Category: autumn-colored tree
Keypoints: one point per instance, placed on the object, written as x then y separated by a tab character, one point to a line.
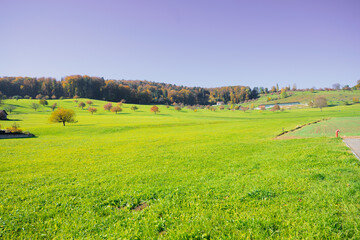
237	107
221	107
320	102
116	109
62	115
154	109
355	100
75	101
15	128
89	102
276	107
177	108
134	108
35	106
244	108
92	110
39	96
43	102
82	105
108	106
262	107
53	106
53	97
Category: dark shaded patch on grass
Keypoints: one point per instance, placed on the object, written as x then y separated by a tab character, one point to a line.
261	194
318	176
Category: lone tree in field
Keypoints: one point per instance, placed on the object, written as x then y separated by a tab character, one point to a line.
35	106
89	103
10	108
92	110
53	106
82	105
244	108
62	115
275	108
320	102
43	102
134	108
177	108
116	109
108	106
154	109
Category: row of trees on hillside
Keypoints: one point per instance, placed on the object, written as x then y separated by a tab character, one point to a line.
142	92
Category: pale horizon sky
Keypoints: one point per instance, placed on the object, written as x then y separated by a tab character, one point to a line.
204	43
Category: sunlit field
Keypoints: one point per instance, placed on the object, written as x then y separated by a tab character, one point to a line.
177	175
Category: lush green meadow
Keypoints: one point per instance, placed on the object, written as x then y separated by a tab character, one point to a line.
334	98
176	175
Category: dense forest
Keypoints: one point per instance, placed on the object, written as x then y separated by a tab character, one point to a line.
132	91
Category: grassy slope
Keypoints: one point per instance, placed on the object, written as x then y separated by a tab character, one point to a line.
333	97
205	174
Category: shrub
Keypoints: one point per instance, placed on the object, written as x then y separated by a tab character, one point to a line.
53	97
14	129
177	108
355	99
221	107
39	96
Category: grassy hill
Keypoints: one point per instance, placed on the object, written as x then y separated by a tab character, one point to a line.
334	98
176	175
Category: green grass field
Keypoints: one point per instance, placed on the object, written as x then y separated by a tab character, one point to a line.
177	175
334	98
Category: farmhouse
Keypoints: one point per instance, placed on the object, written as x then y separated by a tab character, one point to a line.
3	115
220	103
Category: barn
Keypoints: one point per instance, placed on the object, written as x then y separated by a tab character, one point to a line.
3	115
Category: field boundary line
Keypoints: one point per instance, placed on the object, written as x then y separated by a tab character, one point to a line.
301	126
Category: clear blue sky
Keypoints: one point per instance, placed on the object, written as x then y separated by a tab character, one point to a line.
204	43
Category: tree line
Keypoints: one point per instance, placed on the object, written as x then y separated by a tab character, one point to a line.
132	91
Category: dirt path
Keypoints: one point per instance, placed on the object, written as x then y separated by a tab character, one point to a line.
354	145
